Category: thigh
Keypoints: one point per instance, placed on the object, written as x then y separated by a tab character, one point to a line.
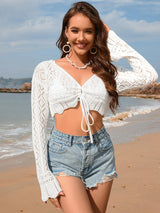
76	197
99	196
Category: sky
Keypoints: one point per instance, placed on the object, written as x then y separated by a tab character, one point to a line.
29	30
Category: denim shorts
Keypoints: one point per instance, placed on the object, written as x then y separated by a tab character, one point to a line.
70	155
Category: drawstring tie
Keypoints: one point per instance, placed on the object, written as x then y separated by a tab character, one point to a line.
86	115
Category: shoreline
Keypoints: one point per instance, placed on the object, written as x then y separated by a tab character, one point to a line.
152	96
128	127
136	189
14	91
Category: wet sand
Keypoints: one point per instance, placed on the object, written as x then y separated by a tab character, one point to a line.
137	189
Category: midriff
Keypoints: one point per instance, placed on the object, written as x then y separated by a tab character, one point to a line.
69	121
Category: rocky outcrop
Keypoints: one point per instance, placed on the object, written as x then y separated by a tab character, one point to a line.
25	88
151	91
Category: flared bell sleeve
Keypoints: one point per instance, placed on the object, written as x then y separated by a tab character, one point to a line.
49	185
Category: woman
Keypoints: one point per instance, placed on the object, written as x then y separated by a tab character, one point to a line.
76	167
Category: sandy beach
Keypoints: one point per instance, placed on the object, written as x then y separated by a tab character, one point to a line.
137	189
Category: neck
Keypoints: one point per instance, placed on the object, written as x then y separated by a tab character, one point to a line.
77	66
79	59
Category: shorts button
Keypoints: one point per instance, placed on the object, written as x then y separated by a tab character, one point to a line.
85	139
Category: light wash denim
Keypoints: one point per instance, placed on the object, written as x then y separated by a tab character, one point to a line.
76	156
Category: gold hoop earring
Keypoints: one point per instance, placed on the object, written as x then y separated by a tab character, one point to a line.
66	48
93	50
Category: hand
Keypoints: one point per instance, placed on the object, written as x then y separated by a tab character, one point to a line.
106	26
55	201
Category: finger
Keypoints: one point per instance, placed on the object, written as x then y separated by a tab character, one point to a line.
55	202
52	200
107	27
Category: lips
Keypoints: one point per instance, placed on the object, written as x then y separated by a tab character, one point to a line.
81	46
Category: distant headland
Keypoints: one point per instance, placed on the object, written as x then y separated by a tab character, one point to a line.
11	85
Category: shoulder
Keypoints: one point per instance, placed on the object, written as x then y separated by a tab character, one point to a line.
43	69
43	65
60	61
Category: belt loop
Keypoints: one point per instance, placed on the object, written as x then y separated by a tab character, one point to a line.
70	140
51	131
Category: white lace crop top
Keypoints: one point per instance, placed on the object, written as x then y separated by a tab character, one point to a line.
56	90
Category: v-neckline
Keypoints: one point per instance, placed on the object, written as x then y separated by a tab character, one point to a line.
74	78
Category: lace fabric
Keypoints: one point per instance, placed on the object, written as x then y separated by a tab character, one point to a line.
40	113
45	79
65	93
142	73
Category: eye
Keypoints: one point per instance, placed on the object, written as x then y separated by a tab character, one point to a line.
74	31
89	31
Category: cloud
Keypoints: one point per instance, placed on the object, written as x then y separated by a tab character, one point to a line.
22	2
96	0
119	3
24	25
144	3
41	31
138	30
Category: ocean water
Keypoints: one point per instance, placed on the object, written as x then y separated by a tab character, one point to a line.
135	117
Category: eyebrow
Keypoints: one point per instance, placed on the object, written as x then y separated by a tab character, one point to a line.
90	28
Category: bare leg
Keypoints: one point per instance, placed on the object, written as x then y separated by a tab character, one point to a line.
76	198
99	196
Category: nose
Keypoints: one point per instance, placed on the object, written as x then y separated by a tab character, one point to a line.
81	36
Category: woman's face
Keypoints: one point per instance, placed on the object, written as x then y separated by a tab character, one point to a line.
80	34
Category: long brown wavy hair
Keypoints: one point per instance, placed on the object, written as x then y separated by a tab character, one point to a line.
101	61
